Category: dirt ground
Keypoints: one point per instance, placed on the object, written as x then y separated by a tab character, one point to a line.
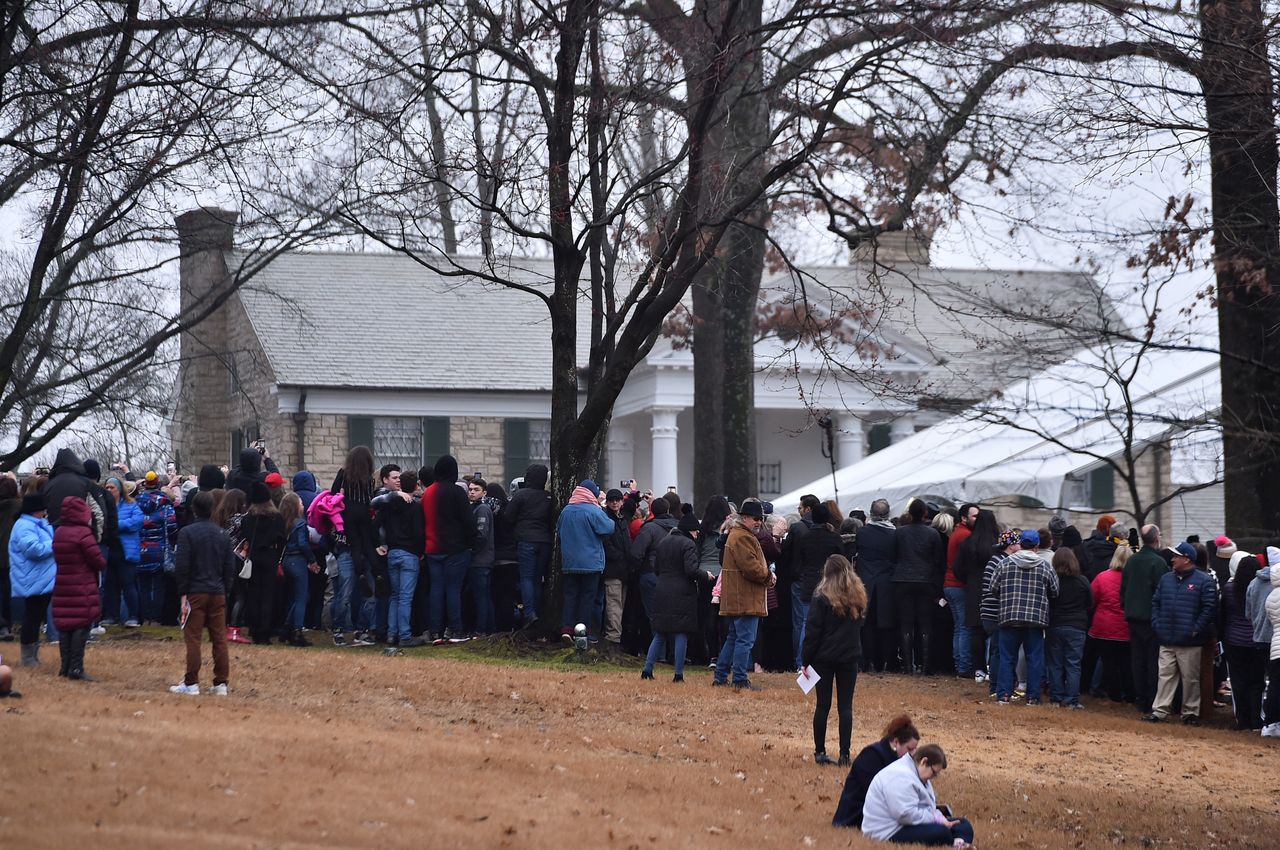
348	748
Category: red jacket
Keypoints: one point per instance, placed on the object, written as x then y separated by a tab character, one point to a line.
1108	614
958	536
76	603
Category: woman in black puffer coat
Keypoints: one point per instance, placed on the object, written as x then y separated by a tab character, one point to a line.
675	599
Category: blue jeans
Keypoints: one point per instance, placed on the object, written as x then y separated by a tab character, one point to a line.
447	572
369	612
1063	650
658	651
482	598
343	583
936	834
531	560
737	649
403	566
580	591
150	595
960	650
799	614
295	570
1030	639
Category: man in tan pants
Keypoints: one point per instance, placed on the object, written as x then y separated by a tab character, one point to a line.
1182	611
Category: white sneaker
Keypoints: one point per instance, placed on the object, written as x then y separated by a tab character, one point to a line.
1271	730
219	690
980	676
98	631
187	690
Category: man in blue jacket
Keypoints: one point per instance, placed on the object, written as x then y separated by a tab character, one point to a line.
1182	610
583	528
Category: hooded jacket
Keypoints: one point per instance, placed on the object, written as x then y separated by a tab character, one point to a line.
253	467
1099	550
450	523
528	514
304	484
66	478
31	565
76	603
1183	607
1022	585
1273	611
1256	597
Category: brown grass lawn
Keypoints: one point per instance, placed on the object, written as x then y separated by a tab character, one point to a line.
347	748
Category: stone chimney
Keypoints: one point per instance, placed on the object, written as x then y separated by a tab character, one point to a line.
200	425
895	248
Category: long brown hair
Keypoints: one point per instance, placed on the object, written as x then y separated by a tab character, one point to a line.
233	502
1065	563
842	588
291	510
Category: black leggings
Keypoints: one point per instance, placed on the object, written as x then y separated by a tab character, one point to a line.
1270	708
844	680
33	615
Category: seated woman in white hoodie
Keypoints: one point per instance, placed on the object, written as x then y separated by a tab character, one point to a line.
901	806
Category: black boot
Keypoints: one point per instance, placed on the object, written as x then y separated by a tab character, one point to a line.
79	639
64	648
31	655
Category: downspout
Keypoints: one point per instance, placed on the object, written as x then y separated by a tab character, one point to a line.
1157	482
300	429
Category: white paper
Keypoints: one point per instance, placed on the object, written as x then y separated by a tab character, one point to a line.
807	679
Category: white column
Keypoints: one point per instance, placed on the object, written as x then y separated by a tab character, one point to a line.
851	441
902	427
665	463
622	453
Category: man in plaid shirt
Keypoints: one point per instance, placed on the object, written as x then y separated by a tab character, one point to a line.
1023	585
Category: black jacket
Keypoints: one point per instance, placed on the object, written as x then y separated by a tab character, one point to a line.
528	514
446	510
816	545
789	560
1073	603
251	469
873	759
830	642
675	599
876	546
919	555
66	478
401	522
1098	549
203	559
644	549
618	563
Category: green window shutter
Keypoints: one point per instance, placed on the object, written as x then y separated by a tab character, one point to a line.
1102	488
435	438
515	435
878	437
237	443
359	431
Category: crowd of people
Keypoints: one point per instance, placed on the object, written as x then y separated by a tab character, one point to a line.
403	558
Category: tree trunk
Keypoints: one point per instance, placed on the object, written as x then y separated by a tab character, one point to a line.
1241	116
725	298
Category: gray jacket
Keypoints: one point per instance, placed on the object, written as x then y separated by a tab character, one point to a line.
1255	605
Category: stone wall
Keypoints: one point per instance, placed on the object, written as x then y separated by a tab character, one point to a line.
478	444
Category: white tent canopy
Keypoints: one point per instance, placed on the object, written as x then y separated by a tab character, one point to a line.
1031	438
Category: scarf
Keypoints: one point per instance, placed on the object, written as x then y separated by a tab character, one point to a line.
583	496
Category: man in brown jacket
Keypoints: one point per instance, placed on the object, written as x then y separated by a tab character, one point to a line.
744	580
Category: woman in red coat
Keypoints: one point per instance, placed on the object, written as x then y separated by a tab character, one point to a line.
76	604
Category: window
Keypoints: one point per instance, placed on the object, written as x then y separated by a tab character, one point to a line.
525	441
1092	490
242	438
409	441
878	437
770	479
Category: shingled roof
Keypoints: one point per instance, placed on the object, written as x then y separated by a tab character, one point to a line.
382	320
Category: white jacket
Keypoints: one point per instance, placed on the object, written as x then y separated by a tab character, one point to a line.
1273	613
897	798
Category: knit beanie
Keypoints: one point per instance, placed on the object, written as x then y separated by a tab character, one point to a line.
1105	522
1226	547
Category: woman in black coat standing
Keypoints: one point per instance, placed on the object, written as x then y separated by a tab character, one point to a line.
832	646
263	529
675	598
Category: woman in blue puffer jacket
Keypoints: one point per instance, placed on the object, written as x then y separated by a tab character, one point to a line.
122	577
32	571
